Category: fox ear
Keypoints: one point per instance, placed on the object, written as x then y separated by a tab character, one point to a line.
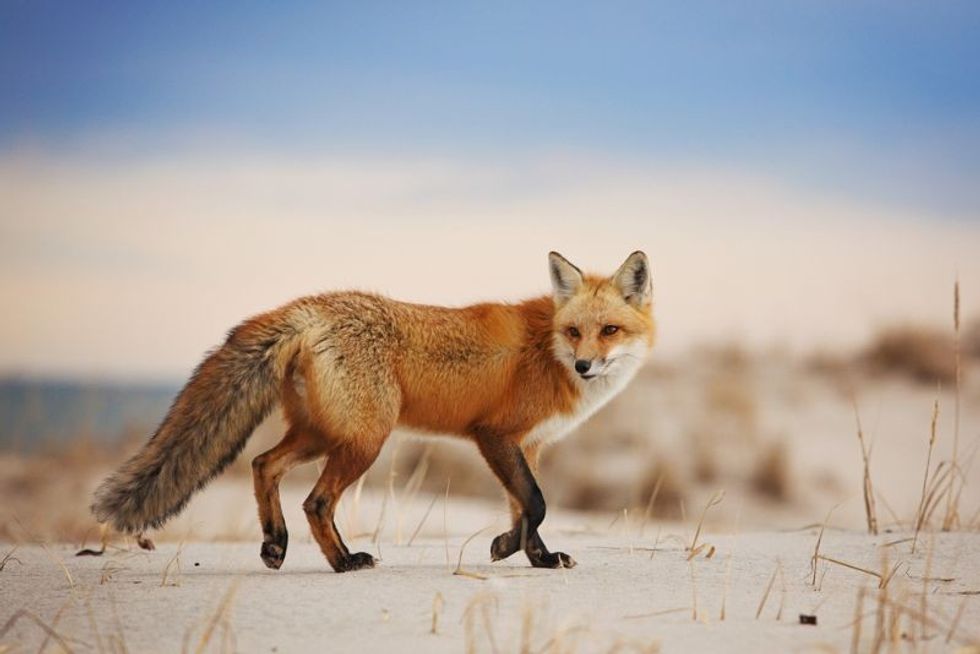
633	279
566	279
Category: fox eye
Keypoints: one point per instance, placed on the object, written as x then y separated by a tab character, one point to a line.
574	332
609	330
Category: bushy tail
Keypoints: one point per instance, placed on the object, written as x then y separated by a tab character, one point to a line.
229	394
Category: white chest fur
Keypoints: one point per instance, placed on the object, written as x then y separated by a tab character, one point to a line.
595	393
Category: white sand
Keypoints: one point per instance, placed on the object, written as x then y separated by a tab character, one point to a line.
307	607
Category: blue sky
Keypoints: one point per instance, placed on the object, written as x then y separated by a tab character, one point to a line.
877	100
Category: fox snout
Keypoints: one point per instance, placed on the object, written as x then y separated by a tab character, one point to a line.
586	367
582	366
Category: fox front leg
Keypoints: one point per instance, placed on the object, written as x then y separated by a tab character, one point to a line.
509	465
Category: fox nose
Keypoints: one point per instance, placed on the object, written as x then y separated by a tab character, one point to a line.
582	366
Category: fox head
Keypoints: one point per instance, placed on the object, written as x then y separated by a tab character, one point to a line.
602	325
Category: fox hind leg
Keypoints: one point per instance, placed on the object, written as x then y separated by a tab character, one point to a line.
345	464
297	446
352	396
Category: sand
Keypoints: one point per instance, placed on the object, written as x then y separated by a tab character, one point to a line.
205	588
635	591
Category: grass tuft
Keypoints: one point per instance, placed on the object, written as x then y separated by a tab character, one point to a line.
714	500
816	548
882	577
952	518
765	594
459	571
438	602
921	514
171	572
422	521
61	564
871	514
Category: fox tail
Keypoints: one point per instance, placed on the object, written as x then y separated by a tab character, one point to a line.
206	428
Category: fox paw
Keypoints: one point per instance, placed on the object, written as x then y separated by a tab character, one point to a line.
504	545
356	561
273	555
553	560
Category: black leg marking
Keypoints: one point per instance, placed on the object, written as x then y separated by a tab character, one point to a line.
539	556
355	561
274	546
508	463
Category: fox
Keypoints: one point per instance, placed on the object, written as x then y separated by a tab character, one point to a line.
348	367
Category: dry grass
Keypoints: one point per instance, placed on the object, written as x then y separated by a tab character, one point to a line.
883	577
947	480
220	616
952	517
664	491
460	571
426	464
954	625
765	594
648	510
727	584
172	571
897	622
694	590
816	548
482	603
438	602
715	500
425	517
923	510
858	621
771	477
924	354
871	515
898	618
44	626
61	564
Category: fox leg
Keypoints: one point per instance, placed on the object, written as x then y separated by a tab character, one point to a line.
352	396
345	464
297	446
509	465
532	454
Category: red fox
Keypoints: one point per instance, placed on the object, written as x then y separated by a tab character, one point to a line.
348	367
